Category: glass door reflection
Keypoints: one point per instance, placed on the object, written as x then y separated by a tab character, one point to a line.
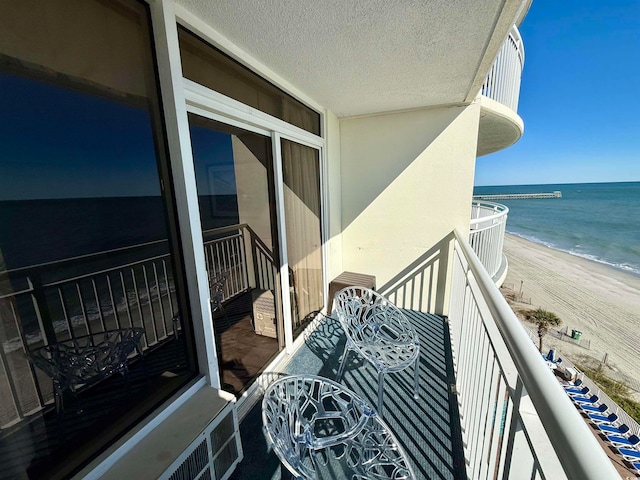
234	176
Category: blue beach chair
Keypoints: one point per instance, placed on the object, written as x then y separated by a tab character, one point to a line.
608	428
616	440
577	391
577	383
629	454
598	418
593	399
586	407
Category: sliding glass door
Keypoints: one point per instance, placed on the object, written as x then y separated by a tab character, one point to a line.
303	218
234	176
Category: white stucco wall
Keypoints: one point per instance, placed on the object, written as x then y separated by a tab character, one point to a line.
333	200
406	182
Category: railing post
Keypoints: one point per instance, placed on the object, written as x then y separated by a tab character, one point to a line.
513	425
41	308
254	257
12	385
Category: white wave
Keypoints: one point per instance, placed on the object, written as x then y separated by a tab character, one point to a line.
625	267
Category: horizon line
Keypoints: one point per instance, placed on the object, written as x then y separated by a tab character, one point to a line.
555	183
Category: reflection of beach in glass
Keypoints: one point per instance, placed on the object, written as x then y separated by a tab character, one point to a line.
234	177
86	231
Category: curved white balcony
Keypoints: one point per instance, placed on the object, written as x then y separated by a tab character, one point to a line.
486	237
503	80
500	124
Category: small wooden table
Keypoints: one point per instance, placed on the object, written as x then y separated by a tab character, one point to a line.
349	279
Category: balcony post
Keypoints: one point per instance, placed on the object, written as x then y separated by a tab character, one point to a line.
515	419
41	308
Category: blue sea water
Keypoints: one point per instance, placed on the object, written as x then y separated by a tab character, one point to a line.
34	232
596	221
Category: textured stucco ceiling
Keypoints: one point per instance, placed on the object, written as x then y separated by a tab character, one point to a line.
368	56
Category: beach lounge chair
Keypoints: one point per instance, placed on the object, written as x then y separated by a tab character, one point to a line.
636	465
632	441
608	429
629	454
593	399
577	391
587	407
577	383
597	417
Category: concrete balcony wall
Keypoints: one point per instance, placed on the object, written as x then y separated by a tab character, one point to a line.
333	201
406	183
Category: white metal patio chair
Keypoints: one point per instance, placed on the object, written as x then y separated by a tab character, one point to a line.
320	429
379	332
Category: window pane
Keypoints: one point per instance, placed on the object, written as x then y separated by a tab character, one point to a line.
234	175
301	171
91	290
207	66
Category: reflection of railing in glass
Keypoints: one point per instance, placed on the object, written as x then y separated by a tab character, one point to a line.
131	287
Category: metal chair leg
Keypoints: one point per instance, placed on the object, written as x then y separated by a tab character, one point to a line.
416	379
380	391
343	362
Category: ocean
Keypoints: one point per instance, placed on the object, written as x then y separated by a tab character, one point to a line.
596	221
33	232
107	234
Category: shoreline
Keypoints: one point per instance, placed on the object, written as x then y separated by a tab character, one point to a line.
599	300
612	266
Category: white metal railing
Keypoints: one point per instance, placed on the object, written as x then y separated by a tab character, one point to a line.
503	80
486	235
517	421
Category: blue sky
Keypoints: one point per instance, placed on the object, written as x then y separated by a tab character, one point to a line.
578	97
68	144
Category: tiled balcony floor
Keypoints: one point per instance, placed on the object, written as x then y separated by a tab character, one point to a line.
429	429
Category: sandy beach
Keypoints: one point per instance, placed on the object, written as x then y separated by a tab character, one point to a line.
601	302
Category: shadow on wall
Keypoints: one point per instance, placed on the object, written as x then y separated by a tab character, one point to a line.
422	285
376	150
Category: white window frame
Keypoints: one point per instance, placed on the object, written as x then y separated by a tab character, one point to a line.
180	96
210	104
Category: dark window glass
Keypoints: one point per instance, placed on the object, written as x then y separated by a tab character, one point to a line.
207	66
94	323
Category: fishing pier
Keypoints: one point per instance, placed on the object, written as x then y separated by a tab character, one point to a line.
518	196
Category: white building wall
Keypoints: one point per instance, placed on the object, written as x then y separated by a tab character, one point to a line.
333	199
407	182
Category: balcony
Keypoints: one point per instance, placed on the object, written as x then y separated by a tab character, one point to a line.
489	406
488	403
500	124
486	236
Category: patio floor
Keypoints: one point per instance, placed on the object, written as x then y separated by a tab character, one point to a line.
429	429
